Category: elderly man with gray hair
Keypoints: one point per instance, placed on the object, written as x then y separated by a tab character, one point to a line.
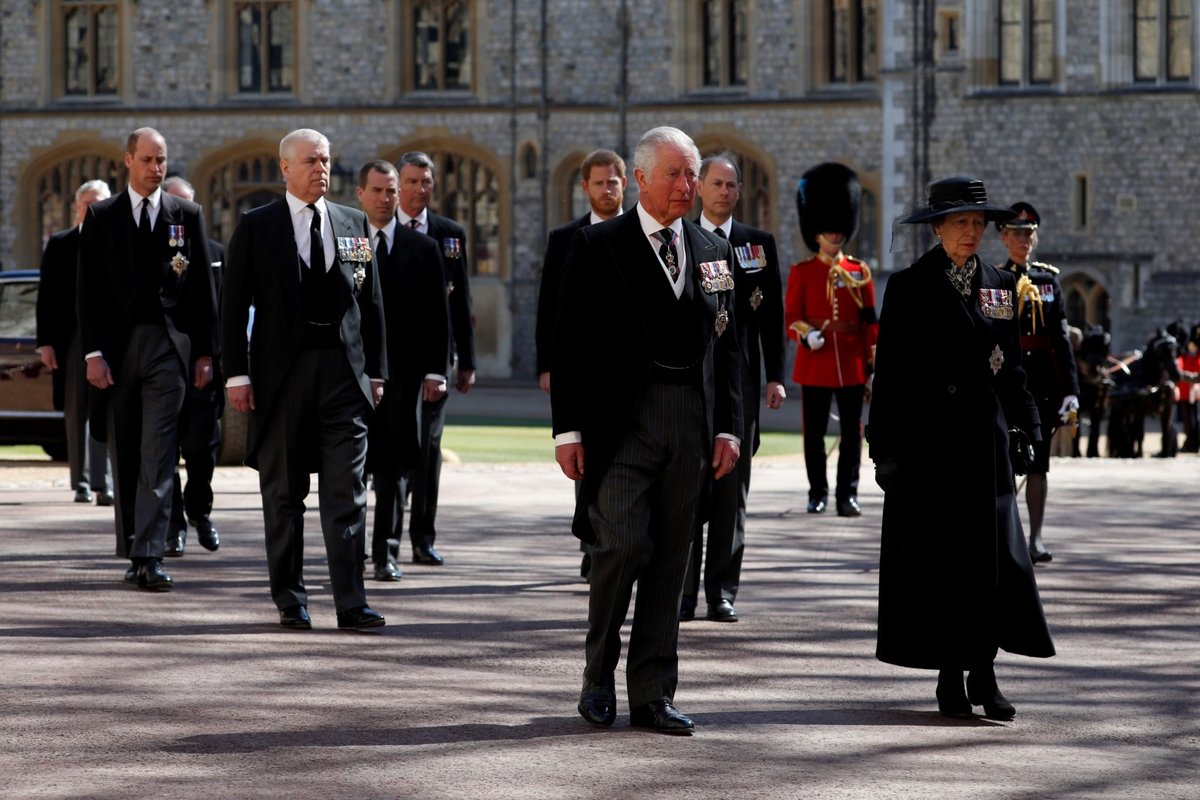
313	371
58	345
646	411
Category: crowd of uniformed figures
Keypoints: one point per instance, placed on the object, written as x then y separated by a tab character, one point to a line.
339	330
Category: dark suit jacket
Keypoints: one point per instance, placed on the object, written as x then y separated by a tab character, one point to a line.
413	283
56	318
462	326
602	357
107	279
263	268
760	330
552	265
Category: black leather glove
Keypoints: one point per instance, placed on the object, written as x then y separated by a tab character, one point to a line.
1020	451
886	472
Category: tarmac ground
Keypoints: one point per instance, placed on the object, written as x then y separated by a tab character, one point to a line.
470	689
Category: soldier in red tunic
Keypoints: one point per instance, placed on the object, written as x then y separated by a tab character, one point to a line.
830	311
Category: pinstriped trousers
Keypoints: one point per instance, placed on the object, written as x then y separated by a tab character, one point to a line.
643	515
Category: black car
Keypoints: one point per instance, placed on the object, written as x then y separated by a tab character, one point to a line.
27	412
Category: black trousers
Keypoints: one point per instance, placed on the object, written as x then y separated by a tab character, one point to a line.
815	401
143	426
427	476
199	441
320	400
644	514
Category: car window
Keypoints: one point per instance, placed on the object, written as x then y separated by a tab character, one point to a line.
18	310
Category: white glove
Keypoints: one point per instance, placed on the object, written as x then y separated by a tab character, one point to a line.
1070	403
815	339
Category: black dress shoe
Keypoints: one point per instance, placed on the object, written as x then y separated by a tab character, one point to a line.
951	697
173	547
687	608
849	507
598	703
296	618
662	717
1042	556
105	499
816	506
131	574
425	554
359	618
388	572
206	534
722	611
983	691
585	566
83	494
152	577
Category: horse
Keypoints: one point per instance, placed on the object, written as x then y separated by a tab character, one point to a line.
1093	362
1147	388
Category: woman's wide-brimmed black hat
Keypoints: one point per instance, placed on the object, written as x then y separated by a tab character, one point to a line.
960	193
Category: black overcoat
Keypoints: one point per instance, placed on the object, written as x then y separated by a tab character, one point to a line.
955	578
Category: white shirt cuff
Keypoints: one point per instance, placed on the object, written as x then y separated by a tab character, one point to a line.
570	437
731	438
93	354
237	380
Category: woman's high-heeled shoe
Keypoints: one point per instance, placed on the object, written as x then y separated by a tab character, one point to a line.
952	699
983	691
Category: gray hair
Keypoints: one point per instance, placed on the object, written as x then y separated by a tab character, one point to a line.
177	183
415	158
300	135
98	186
645	155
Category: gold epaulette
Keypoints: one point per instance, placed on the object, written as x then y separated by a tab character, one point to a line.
1053	270
801	328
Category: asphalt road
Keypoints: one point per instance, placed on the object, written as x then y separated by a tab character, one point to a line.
110	692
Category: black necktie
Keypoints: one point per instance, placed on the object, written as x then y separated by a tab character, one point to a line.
144	220
720	232
414	223
316	245
667	251
381	250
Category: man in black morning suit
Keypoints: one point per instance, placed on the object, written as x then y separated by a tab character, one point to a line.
58	346
199	429
416	191
417	318
646	401
314	371
759	292
602	175
147	320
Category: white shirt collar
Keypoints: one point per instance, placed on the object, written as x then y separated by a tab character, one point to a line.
136	199
297	205
389	231
593	218
422	218
651	226
708	225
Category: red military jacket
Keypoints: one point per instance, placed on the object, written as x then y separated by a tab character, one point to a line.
837	297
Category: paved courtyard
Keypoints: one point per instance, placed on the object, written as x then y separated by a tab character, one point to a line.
110	692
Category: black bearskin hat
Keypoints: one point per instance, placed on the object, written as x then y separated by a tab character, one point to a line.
827	200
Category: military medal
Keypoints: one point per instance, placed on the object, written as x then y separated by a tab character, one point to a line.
722	321
451	247
995	303
175	235
179	264
756	298
449	288
716	277
360	275
997	359
751	257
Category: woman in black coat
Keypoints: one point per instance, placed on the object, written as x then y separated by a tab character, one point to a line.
955	579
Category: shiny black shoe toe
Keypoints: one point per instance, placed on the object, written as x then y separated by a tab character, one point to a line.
175	544
662	717
105	499
131	574
849	507
722	611
817	506
1040	555
83	494
206	534
388	573
425	554
152	577
295	618
359	618
598	703
687	608
983	691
